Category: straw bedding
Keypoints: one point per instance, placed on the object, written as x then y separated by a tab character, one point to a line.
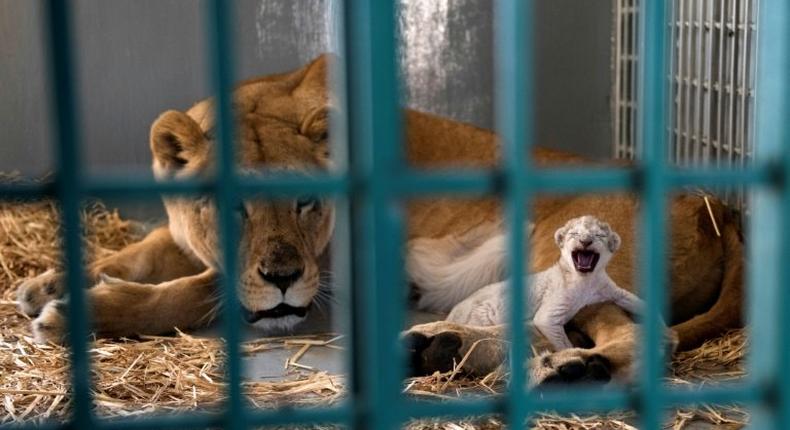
184	372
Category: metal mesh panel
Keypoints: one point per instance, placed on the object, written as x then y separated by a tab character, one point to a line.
624	65
711	83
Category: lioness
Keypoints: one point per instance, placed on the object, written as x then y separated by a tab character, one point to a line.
168	279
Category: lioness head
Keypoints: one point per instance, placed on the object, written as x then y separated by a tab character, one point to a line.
586	244
281	126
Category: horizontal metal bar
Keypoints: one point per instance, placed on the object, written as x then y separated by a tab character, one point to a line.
413	183
48	425
419	183
25	191
574	180
461	408
582	399
186	420
754	176
284	185
198	419
334	415
717	395
576	399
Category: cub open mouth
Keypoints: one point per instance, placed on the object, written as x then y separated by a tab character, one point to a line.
584	260
279	311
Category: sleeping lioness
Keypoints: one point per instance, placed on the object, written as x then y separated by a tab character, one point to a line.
169	279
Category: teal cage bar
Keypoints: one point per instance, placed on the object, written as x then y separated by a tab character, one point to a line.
378	181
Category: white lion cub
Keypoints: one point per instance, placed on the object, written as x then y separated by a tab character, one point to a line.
556	294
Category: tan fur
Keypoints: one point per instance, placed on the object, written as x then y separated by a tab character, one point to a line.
282	125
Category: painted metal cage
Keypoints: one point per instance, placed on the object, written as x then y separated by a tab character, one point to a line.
377	178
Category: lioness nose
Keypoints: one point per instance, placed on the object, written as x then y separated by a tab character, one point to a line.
586	242
282	279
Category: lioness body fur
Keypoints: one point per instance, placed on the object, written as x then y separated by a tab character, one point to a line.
170	276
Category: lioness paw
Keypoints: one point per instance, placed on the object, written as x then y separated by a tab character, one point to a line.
33	294
429	354
569	366
50	326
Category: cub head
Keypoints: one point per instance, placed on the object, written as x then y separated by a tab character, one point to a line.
586	244
281	126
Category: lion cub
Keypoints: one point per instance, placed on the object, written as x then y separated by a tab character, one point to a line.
556	294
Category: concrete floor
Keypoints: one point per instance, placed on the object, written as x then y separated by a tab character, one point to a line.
270	365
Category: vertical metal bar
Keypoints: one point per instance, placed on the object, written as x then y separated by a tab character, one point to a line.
633	111
514	95
731	33
743	88
342	244
69	189
374	136
688	82
720	139
220	17
782	72
707	137
743	85
617	92
653	213
680	83
699	25
673	73
769	233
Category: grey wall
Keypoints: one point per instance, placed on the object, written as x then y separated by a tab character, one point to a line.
140	57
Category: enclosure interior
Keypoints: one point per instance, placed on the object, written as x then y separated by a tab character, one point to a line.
138	58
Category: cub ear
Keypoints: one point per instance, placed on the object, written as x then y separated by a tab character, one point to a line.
614	239
614	242
176	141
559	235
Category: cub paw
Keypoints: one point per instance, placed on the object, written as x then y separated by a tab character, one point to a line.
33	294
50	325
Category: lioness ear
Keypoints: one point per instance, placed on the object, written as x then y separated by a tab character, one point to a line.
176	140
311	81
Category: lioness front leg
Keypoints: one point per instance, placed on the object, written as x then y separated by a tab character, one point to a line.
614	354
154	259
436	346
120	308
441	345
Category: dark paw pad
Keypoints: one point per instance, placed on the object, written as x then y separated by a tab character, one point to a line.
598	369
595	369
429	354
567	373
